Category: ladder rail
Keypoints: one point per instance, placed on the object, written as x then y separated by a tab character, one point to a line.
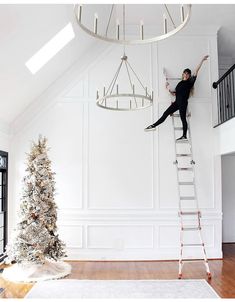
180	209
193	164
176	165
196	198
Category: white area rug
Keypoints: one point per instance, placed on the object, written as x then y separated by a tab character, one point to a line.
122	289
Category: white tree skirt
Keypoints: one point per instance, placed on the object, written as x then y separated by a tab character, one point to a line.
30	272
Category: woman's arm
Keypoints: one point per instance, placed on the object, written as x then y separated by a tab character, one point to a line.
170	91
199	65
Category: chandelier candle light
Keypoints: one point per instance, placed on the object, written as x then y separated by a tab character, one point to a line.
117	30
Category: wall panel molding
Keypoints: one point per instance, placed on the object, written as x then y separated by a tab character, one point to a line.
121	239
72	234
118	182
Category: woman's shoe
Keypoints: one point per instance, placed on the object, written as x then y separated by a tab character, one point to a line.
182	138
150	128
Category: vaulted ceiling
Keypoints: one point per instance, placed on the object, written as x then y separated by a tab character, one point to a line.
24	29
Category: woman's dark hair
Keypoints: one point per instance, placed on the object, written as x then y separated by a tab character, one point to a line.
187	70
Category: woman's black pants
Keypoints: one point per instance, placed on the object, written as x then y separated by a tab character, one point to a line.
170	110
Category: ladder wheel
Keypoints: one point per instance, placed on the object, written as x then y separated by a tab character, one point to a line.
209	275
180	276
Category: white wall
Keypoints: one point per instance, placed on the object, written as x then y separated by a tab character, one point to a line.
224	64
228	197
116	184
225	134
4	136
4	142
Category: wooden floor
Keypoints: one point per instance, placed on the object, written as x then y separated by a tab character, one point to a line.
223	273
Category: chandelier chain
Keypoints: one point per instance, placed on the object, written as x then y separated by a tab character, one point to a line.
130	81
110	16
137	77
168	12
124	27
114	78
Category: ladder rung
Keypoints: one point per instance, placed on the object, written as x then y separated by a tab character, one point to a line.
185	169
194	260
178	115
183	154
187	198
181	141
186	183
191	228
190	213
192	244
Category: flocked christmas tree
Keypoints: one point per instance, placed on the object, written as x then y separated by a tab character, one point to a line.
36	238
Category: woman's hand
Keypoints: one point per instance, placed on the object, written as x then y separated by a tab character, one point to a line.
168	88
205	58
200	64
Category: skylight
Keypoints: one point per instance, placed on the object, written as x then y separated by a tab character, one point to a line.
50	49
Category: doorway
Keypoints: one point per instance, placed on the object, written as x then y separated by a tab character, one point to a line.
228	200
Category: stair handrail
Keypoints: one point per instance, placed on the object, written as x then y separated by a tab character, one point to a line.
215	84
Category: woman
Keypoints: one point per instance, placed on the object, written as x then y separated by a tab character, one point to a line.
182	93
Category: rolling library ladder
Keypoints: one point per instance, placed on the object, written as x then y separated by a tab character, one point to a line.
184	163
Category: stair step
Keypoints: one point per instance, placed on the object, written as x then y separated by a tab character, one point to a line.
190	213
185	169
186	183
183	154
187	198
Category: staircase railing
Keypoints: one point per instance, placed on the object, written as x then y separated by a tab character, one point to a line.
226	96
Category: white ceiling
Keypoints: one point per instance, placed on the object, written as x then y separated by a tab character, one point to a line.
24	29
